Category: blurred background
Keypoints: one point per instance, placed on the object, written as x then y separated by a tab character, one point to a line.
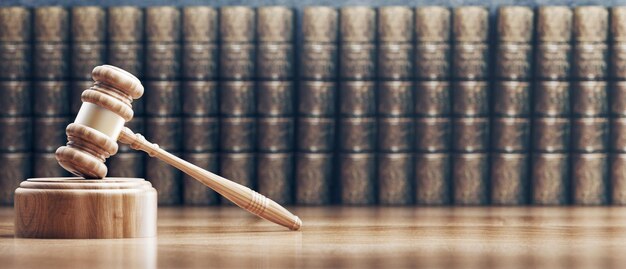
355	102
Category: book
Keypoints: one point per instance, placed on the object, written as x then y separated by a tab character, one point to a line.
357	98
510	135
617	178
395	49
515	29
317	106
240	168
357	33
125	47
433	26
550	175
237	28
51	104
357	134
550	178
49	133
470	178
396	98
201	134
163	49
200	104
275	176
433	178
512	98
165	132
470	106
51	43
16	113
126	164
194	192
275	134
509	178
275	98
166	179
15	43
396	134
313	178
14	168
275	102
237	31
590	122
200	48
76	90
357	176
470	48
432	105
16	134
395	178
237	134
590	178
15	88
46	165
88	37
617	108
433	134
470	135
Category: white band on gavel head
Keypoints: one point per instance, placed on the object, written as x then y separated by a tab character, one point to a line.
98	118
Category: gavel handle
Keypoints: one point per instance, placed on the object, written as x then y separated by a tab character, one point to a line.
242	196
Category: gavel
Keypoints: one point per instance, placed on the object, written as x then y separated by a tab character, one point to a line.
100	123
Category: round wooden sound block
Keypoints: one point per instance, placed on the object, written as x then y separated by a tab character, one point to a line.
81	208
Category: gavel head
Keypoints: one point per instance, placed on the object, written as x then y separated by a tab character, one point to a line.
93	136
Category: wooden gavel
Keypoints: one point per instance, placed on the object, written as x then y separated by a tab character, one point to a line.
100	123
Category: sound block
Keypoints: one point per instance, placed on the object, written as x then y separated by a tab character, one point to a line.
82	208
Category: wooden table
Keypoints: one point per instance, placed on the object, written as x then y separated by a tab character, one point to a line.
461	237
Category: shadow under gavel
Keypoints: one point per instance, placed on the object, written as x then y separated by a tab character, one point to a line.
100	123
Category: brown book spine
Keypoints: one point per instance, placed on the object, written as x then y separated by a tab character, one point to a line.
52	102
15	89
237	95
590	110
275	102
357	108
617	108
470	106
15	43
163	98
550	172
125	49
395	106
199	99
432	105
317	107
194	192
510	142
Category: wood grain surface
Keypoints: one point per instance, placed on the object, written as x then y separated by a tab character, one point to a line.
358	237
77	208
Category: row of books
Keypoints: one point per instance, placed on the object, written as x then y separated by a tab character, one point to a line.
361	105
